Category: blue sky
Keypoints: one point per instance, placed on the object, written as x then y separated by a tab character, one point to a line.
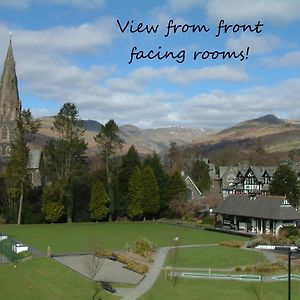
73	50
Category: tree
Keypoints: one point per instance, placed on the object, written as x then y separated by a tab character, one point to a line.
66	154
161	176
53	202
177	194
135	194
130	162
109	142
174	157
150	192
285	183
99	202
200	174
17	180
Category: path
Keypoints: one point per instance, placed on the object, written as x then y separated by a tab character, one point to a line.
153	272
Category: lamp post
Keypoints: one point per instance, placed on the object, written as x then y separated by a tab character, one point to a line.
289	250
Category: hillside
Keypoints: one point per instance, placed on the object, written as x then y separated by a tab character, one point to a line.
273	138
145	140
270	133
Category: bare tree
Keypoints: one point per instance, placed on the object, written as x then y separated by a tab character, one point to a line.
93	265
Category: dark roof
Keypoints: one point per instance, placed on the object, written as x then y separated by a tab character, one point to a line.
264	207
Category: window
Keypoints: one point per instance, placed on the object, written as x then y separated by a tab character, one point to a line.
4	109
7	150
4	134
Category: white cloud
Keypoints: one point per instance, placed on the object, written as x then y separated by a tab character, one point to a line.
274	11
87	37
221	109
179	5
78	3
286	60
259	44
19	4
179	76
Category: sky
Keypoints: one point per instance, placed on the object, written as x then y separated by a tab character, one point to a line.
204	73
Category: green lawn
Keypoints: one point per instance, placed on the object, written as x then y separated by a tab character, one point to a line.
204	289
213	257
77	236
43	278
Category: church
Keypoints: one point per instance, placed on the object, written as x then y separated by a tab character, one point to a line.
10	111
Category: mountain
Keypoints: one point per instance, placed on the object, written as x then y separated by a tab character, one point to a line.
145	140
265	125
269	132
264	138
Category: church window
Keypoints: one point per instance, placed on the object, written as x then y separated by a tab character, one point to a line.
4	134
4	109
7	150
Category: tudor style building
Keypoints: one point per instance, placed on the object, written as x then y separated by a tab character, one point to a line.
245	179
10	112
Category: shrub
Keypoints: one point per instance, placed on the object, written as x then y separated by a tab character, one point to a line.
210	220
143	247
233	244
132	265
238	269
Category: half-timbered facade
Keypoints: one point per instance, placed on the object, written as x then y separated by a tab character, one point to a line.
245	179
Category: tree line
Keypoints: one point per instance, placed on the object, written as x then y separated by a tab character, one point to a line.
123	187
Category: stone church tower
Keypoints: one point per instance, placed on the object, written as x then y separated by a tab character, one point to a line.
10	104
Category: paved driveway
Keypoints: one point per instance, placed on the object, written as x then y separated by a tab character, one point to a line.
111	271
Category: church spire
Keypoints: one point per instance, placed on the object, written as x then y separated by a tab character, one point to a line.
9	94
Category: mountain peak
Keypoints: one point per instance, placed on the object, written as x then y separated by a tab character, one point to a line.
269	119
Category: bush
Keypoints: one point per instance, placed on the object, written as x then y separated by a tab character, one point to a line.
238	269
132	265
210	220
144	247
233	244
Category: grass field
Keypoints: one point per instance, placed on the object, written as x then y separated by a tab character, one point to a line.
213	257
64	238
203	289
43	278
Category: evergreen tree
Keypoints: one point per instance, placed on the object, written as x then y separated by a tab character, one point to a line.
176	187
174	157
285	183
161	176
129	163
17	179
109	142
150	192
177	194
99	202
66	154
53	200
200	175
135	194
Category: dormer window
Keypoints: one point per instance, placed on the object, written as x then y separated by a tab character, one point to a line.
285	203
